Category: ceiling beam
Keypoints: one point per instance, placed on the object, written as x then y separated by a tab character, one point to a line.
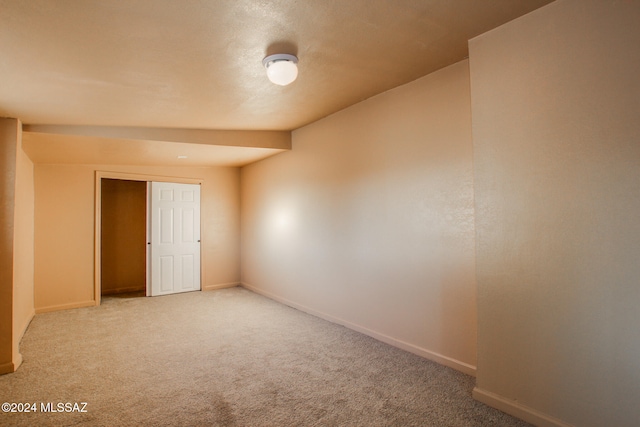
230	138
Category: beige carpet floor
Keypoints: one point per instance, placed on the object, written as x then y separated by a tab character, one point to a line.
227	358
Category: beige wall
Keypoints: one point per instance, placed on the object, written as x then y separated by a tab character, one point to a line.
64	229
9	129
556	129
368	221
123	236
23	248
16	243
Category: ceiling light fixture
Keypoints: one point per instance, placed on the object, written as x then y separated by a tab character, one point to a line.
282	68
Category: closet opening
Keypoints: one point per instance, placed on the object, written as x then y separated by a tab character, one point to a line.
138	254
123	235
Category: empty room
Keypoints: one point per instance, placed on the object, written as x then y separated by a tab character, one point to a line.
251	213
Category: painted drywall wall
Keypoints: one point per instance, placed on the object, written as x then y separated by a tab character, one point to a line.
23	247
368	221
124	236
16	243
9	129
64	229
556	130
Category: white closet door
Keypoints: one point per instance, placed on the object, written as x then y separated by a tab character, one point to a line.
174	249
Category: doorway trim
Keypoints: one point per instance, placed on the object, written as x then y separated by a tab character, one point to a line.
97	253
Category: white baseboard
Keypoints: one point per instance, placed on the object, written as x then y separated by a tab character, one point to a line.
17	362
423	352
516	409
27	323
49	308
21	333
220	286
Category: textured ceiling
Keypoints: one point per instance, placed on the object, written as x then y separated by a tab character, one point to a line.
198	64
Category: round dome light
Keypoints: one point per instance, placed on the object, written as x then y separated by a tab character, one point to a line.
281	68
